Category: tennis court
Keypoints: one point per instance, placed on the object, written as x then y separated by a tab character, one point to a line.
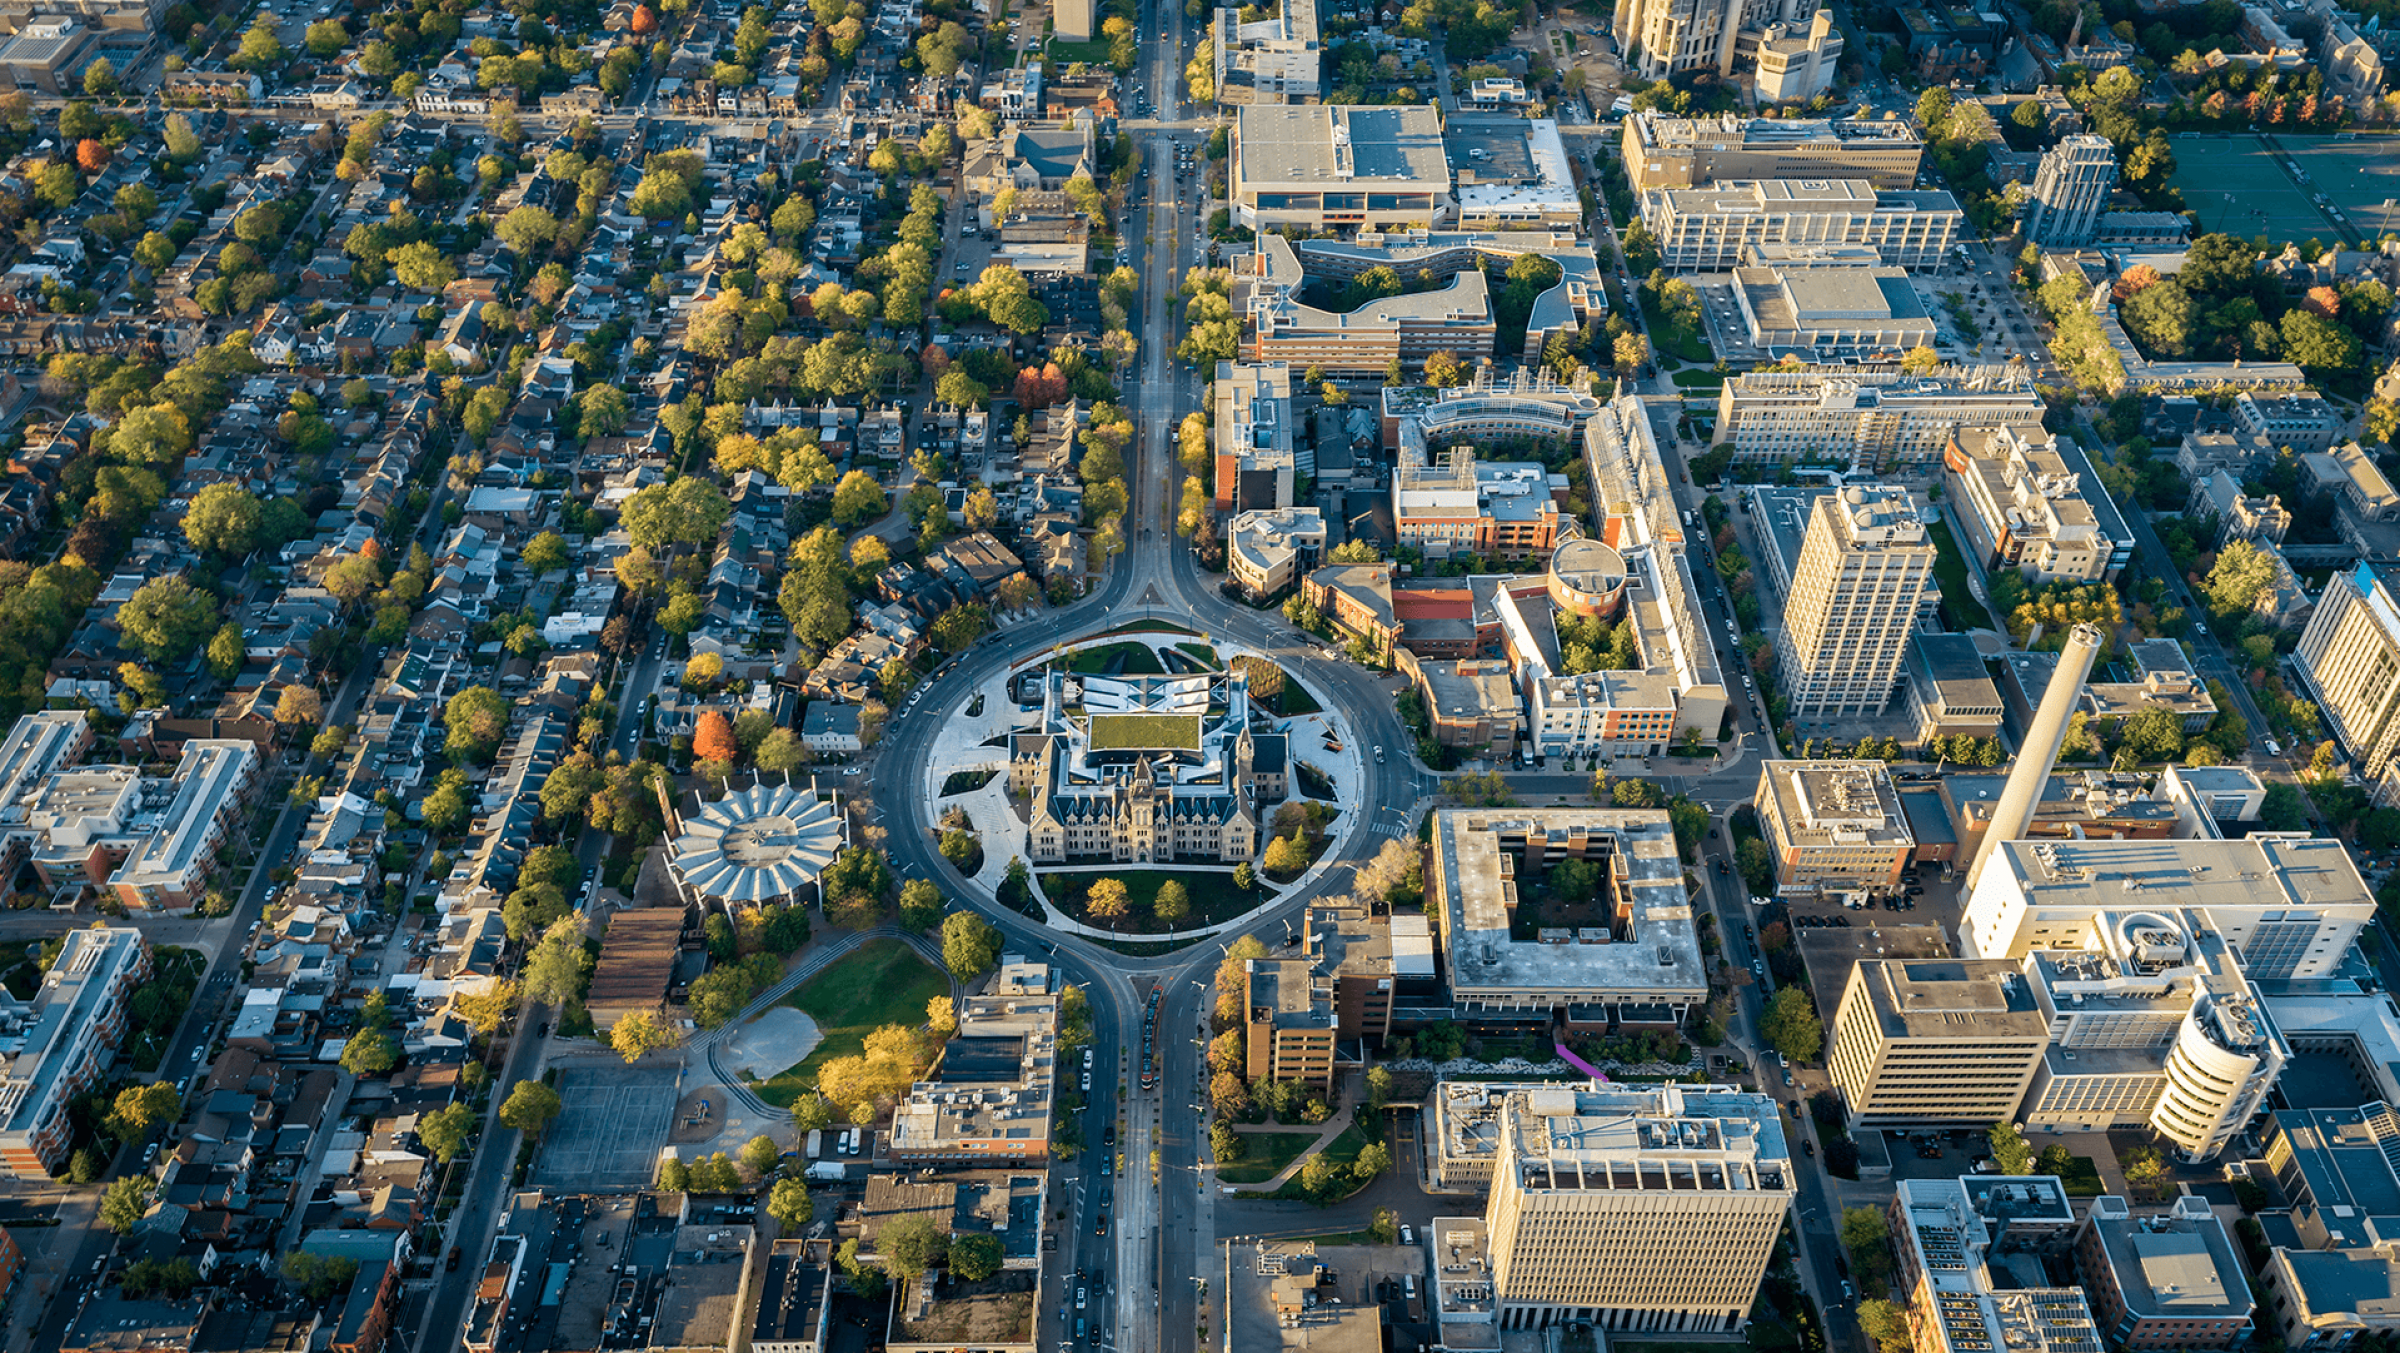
2244	184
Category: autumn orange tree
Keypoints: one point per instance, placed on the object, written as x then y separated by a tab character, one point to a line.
92	155
713	740
644	21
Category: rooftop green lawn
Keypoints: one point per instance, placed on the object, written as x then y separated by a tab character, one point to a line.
1135	732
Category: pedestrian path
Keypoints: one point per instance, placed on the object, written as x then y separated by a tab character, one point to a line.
823	956
1326	1131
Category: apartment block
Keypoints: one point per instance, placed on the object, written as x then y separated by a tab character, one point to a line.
1676	152
1949	1235
1834	826
2168	1281
1864	562
2288	908
1253	435
1288	1034
2350	657
1651	1209
2156	1026
52	1047
1460	505
989	1097
1935	1041
1642	964
1867	417
211	786
1333	166
1712	228
1278	59
2070	192
2023	509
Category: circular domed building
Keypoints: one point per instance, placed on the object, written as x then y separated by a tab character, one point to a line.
1587	578
761	844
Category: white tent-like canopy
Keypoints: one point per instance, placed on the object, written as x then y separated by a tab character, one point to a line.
760	844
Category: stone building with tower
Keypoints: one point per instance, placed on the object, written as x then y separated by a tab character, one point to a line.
1150	770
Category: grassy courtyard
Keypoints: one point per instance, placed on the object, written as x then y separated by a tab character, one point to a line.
881	982
1263	1155
1213	898
1123	659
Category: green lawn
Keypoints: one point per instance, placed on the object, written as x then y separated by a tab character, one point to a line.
1203	654
1295	699
1343	1151
1214	898
1139	659
1693	379
881	982
1263	1154
2082	1179
1670	341
1063	53
1142	732
1950	570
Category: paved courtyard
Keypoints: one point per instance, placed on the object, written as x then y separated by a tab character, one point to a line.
609	1130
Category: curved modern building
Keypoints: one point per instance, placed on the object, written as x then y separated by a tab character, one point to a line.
1586	578
761	844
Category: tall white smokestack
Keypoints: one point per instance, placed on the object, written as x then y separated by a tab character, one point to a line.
2043	738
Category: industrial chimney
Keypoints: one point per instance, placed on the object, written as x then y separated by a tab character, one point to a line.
2039	753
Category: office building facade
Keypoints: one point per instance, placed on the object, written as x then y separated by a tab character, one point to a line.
1863	564
2350	657
1868	417
1651	1209
1935	1041
1677	152
1711	229
2070	192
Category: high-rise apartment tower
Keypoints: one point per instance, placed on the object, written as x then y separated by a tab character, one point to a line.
1863	565
2070	191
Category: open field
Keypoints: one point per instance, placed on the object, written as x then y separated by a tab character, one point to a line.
882	982
2244	184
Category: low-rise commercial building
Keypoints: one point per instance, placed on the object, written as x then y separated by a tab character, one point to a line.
1334	166
1949	1233
2330	1299
1472	704
1709	229
1950	694
1832	312
1288	1032
1676	152
1833	826
989	1097
1629	946
1931	1041
2164	679
1511	172
1268	550
2167	1281
1869	418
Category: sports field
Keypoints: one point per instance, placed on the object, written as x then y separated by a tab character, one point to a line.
2244	184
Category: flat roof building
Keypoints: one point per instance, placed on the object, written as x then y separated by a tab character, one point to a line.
1868	418
1296	1297
2350	657
2167	1281
52	1047
1950	693
1253	434
1864	564
1947	1245
2154	1026
1288	1033
1278	59
1270	549
1834	826
2327	1299
2289	908
1511	172
1709	229
1335	166
2024	508
1642	952
989	1098
1832	312
1935	1041
1674	152
1455	317
1653	1208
